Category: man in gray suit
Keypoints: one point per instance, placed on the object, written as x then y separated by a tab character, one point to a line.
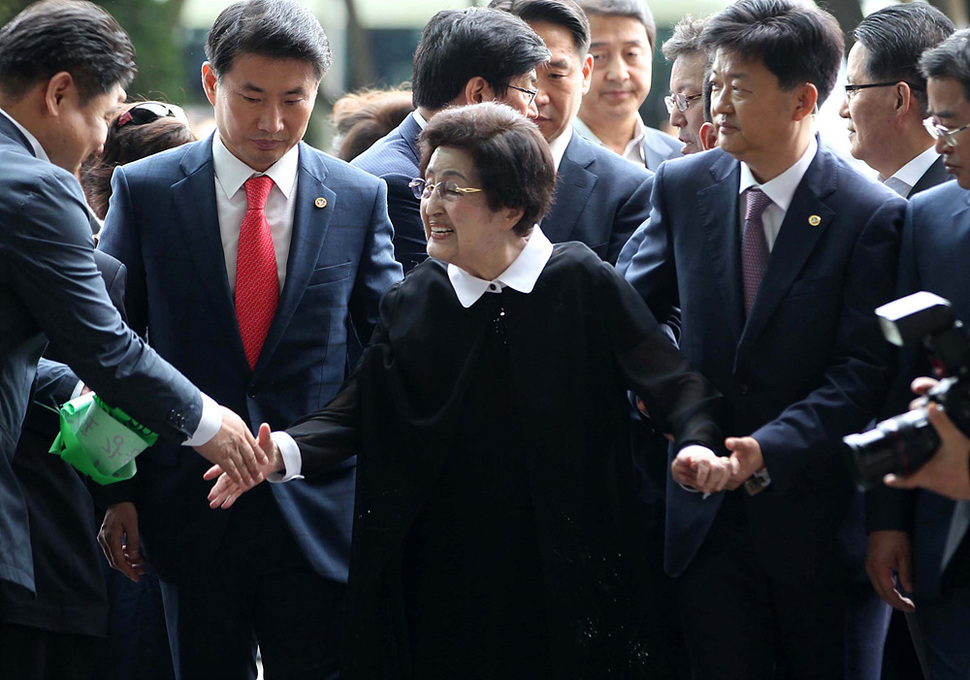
63	65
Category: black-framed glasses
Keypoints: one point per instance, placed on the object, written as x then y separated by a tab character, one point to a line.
680	100
851	90
948	135
446	190
532	93
148	112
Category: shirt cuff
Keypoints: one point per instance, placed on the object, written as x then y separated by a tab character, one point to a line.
209	424
292	459
77	390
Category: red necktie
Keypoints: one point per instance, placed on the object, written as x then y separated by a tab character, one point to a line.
257	283
754	245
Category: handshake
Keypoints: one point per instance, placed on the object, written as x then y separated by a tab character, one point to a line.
700	468
237	455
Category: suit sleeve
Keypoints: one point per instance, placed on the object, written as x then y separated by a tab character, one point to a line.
49	253
378	269
856	382
630	215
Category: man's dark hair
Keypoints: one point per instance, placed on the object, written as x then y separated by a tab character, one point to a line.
797	44
564	13
708	90
278	29
896	36
686	39
950	59
635	9
460	44
513	161
65	35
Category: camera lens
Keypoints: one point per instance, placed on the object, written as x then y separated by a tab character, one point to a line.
898	445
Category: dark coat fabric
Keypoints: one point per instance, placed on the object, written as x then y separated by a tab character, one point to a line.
576	343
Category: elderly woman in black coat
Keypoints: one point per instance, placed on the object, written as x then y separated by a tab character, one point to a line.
495	526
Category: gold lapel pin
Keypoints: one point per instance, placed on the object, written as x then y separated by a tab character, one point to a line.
814	220
320	202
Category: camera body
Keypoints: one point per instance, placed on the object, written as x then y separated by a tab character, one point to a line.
901	444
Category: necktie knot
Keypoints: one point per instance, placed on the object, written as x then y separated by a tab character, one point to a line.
757	203
257	191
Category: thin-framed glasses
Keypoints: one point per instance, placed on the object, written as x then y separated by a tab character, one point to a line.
851	90
948	135
680	100
446	190
148	112
532	93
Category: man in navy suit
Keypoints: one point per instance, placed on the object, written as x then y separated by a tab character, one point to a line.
623	36
62	71
600	200
918	535
777	253
254	261
464	57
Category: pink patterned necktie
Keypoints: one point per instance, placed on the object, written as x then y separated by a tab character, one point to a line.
754	245
257	283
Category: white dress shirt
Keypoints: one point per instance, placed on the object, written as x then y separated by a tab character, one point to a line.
634	148
903	181
559	144
231	173
780	190
211	420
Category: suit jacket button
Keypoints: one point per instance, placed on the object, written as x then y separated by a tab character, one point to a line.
251	392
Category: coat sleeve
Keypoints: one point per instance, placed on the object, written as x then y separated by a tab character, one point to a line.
633	212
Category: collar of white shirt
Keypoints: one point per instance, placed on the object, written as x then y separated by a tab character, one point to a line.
634	148
34	144
781	189
232	173
559	144
419	119
521	275
911	173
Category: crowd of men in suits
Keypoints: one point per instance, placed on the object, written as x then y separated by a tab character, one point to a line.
255	265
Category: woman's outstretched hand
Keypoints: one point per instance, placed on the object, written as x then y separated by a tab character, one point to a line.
225	491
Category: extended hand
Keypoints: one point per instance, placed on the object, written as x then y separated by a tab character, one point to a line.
890	552
226	490
948	471
746	453
119	540
235	451
702	470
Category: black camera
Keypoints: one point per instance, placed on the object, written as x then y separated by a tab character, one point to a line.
901	444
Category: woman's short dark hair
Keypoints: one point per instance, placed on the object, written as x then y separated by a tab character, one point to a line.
512	159
563	13
950	59
460	44
127	144
65	35
797	44
896	36
363	117
278	29
633	9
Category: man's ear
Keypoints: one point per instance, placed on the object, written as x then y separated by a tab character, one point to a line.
209	81
903	100
60	87
807	101
587	72
477	90
708	135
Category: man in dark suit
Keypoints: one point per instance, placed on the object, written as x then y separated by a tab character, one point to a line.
464	57
63	68
254	262
600	200
623	35
885	99
917	535
777	314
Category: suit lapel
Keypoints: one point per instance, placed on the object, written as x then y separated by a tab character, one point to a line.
410	131
574	184
935	174
718	209
198	229
310	226
806	221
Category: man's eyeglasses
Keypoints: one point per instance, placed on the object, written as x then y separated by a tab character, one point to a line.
852	90
948	135
532	93
680	100
148	112
446	190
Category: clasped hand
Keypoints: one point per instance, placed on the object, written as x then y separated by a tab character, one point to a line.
701	469
229	488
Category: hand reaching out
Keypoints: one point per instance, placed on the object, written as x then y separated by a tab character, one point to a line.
701	469
234	451
226	489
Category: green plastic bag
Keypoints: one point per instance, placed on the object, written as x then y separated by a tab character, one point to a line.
100	441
